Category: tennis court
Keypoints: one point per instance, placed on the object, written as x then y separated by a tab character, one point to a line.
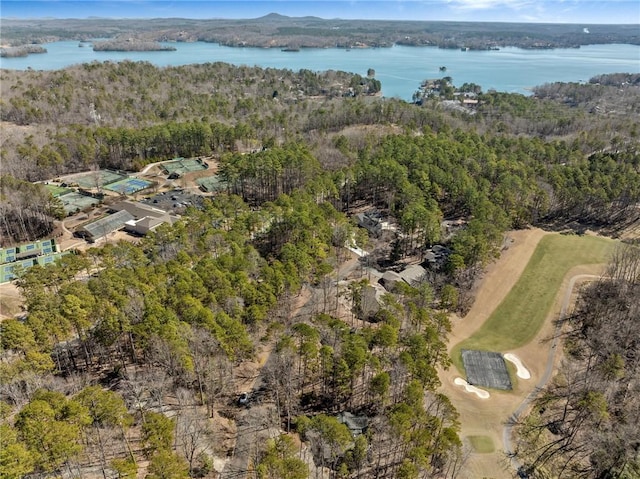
74	202
96	179
181	166
57	191
211	184
128	186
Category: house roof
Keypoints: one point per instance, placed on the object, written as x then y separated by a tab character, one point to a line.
138	210
413	274
108	224
430	256
148	223
391	276
370	304
439	249
356	424
389	279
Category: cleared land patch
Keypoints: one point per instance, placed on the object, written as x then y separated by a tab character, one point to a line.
519	317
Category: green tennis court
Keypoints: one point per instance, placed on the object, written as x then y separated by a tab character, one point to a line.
96	179
183	165
57	191
74	202
211	184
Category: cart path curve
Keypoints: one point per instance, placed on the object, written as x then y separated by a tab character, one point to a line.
508	428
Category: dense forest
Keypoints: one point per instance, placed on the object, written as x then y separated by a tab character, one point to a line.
171	317
563	144
125	359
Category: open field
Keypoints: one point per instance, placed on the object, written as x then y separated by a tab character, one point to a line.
519	317
11	300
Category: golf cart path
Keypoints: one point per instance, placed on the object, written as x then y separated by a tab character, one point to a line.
551	361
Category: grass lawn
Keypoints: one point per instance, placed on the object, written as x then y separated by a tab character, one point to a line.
482	444
519	317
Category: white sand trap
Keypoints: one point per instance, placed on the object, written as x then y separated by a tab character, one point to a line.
521	371
481	393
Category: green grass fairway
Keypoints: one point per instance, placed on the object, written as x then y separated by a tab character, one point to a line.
482	444
521	314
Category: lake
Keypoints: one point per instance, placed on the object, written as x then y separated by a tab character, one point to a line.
400	69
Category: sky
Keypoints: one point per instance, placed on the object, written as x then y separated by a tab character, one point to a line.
538	11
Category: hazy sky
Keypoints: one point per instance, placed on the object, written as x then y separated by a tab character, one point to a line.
548	11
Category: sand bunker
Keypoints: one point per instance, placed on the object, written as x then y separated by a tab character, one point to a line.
481	393
521	371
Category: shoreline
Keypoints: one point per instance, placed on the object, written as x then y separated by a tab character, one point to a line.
273	45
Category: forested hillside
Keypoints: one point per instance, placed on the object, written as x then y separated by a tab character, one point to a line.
279	31
127	357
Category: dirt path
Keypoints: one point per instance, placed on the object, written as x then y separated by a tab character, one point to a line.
487	417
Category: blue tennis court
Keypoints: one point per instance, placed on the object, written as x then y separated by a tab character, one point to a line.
128	185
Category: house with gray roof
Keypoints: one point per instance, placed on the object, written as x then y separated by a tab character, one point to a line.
104	226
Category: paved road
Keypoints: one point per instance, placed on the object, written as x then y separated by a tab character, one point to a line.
508	428
151	165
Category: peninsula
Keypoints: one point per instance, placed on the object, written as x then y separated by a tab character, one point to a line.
131	45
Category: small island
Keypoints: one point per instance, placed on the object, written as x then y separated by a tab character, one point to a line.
131	45
21	51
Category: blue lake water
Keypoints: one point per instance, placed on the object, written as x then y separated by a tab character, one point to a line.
400	69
